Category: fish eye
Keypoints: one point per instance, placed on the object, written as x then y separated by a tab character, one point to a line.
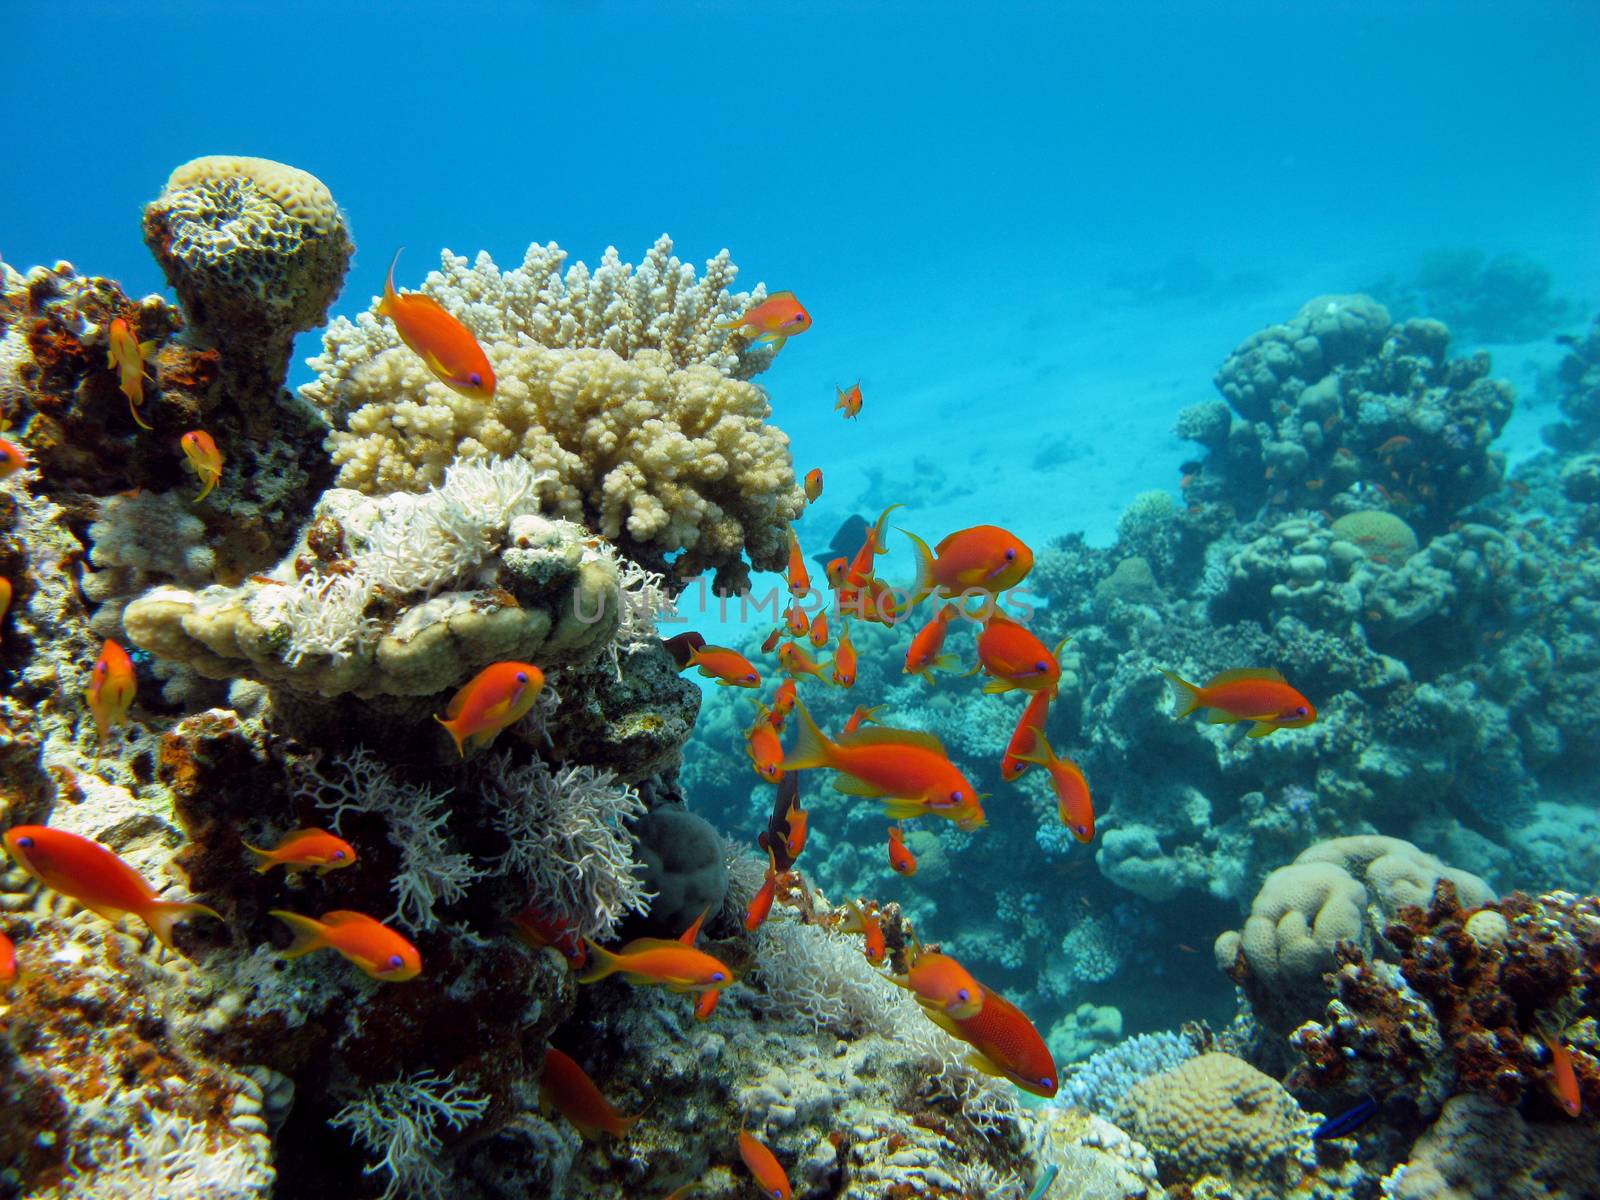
963	995
475	379
751	676
1046	1081
1010	554
25	842
396	961
957	797
716	977
338	854
1301	711
1041	666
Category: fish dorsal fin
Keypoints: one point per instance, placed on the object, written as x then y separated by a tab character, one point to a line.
343	916
689	935
1242	673
780	295
893	737
641	945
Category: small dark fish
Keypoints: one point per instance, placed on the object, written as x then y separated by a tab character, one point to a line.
1346	1122
846	542
682	646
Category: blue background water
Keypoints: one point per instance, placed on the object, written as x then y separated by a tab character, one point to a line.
1030	233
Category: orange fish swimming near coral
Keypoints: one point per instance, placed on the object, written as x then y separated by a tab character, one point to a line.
566	1088
849	401
666	962
984	559
12	459
776	319
8	965
494	699
907	770
1005	1042
798	821
813	484
305	849
111	688
925	656
796	662
1014	658
728	667
901	860
782	702
1563	1076
761	903
1012	764
201	451
537	930
870	928
371	945
129	356
819	632
843	666
861	716
442	342
764	749
799	577
764	1167
1073	804
942	985
85	871
1258	695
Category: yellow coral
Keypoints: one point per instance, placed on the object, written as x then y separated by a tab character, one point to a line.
299	193
640	416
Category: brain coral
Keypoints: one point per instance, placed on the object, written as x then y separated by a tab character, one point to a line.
618	383
256	251
1217	1116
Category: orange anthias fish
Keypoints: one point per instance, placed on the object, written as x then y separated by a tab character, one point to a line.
1012	765
766	752
871	929
1563	1076
129	355
793	659
1073	804
12	459
799	577
566	1089
305	848
907	770
942	985
901	860
761	903
798	822
874	601
813	484
5	597
984	558
203	455
370	944
782	702
776	319
764	1167
537	930
111	688
668	962
1260	695
860	569
771	643
849	401
819	632
844	660
1006	1042
85	871
1014	658
795	620
703	1008
861	716
728	667
496	698
924	657
8	965
442	342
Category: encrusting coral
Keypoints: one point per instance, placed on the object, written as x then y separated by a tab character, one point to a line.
618	384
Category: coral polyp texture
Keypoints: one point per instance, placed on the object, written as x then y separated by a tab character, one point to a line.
617	383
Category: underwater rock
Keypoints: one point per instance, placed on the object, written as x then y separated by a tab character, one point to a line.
681	857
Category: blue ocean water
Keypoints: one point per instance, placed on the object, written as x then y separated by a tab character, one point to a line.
1032	232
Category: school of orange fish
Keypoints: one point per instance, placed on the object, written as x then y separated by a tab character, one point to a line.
907	771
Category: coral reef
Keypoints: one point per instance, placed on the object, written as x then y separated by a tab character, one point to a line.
618	384
1478	1150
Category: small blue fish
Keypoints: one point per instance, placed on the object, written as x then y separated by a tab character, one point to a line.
1346	1122
1045	1180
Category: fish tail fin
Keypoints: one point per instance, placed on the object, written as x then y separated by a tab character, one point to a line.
308	933
602	963
264	859
1038	752
162	915
389	294
922	586
811	748
450	728
137	419
1184	694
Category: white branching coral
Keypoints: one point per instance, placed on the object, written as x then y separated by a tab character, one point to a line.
569	840
432	872
618	383
164	1155
399	1122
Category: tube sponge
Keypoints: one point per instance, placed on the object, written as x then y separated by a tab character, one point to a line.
618	384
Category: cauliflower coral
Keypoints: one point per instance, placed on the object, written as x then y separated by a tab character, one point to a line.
619	383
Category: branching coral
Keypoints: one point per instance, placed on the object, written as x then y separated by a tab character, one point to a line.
617	384
168	1155
400	1122
569	839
